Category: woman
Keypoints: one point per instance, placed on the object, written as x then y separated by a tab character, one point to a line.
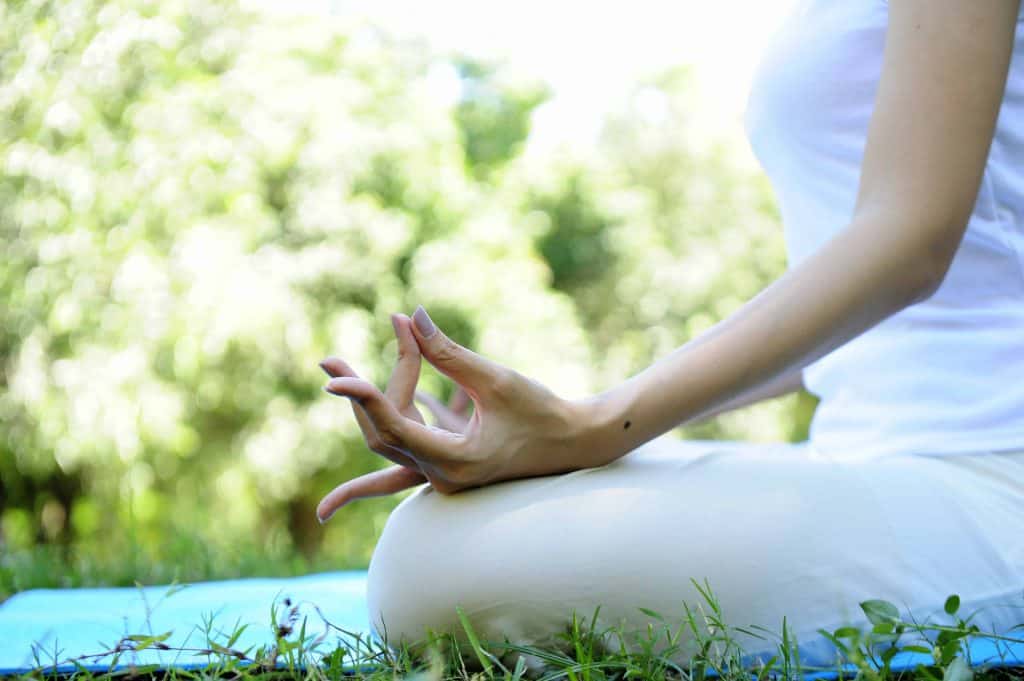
893	134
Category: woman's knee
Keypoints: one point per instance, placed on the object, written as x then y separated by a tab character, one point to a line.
402	584
481	552
533	552
521	558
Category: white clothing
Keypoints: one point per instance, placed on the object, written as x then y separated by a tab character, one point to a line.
777	531
943	376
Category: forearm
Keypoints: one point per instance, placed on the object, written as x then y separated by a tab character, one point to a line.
784	384
865	274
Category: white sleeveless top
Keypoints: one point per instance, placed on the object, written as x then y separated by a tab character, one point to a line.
943	376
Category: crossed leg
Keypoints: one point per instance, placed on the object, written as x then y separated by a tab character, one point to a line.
774	530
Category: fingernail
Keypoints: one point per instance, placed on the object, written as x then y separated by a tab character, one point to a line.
323	365
394	323
423	322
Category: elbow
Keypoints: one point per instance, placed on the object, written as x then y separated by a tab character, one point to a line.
923	272
912	249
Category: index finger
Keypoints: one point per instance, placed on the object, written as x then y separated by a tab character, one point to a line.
421	442
335	367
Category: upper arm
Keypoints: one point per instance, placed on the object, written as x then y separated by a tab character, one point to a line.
943	77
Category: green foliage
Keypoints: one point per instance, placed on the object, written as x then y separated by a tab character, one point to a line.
576	245
698	646
197	204
493	115
870	653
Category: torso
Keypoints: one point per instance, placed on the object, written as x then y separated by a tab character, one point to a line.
943	376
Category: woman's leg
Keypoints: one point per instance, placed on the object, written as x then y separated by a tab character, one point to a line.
776	531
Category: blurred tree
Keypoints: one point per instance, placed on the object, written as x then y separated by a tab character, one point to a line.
493	114
197	204
576	244
658	236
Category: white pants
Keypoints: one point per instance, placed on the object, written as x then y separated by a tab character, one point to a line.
775	530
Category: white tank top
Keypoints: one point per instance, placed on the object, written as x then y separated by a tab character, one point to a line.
943	376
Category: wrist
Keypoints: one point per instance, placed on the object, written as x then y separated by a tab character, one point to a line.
608	426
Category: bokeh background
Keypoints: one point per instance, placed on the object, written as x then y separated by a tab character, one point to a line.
200	199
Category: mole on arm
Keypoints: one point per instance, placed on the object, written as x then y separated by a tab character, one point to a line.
626	425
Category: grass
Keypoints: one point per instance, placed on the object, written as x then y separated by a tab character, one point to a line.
49	566
697	646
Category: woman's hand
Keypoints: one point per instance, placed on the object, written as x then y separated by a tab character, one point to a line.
518	427
400	391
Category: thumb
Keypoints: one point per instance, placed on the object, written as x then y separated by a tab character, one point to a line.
474	373
375	484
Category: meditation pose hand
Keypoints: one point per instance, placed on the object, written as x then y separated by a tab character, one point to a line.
887	246
518	428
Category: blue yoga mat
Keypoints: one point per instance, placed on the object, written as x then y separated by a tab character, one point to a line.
44	626
47	626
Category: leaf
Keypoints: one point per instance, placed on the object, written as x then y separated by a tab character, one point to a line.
237	633
844	650
653	614
174	588
146	637
698	671
143	641
767	668
879	611
473	640
952	604
948	636
847	632
520	668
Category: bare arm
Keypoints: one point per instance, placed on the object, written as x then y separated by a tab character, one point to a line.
789	382
943	77
942	83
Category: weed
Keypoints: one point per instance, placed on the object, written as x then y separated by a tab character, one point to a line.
697	647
